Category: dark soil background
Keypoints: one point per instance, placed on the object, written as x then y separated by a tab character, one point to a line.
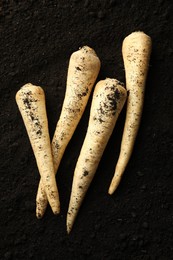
36	41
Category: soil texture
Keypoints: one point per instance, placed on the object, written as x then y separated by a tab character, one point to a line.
37	38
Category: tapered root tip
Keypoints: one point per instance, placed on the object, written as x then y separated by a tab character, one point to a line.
39	212
56	210
38	215
111	190
69	228
114	183
70	222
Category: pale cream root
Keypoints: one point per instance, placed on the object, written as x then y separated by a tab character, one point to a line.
84	66
108	99
136	51
31	102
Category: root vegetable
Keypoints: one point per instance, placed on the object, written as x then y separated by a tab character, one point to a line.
136	51
83	70
108	99
31	102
